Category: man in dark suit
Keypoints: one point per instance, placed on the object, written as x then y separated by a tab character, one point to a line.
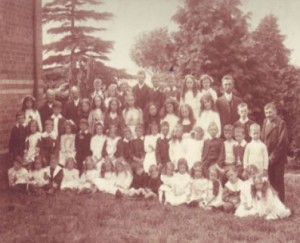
72	106
46	110
227	104
141	91
274	135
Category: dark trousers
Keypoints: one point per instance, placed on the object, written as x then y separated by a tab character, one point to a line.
276	177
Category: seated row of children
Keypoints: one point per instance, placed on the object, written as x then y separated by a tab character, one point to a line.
193	187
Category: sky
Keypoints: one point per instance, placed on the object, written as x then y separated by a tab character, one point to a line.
133	17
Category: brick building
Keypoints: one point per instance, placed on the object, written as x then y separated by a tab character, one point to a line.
20	59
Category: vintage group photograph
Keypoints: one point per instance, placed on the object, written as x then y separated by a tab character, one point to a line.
149	121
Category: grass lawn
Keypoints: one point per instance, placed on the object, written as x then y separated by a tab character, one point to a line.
101	218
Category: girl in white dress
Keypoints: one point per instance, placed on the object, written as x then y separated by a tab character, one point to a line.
71	176
88	177
132	115
212	198
32	144
208	115
180	186
18	177
105	183
37	178
96	114
67	143
177	145
195	146
198	185
206	82
190	94
97	143
31	112
166	177
150	147
266	200
170	111
186	119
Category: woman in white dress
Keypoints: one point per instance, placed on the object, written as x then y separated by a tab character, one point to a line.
190	94
208	115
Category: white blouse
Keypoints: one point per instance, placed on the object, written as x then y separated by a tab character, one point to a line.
206	118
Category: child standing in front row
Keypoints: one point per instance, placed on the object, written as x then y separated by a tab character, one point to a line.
162	146
67	143
138	151
17	137
97	142
32	144
239	148
256	152
111	147
48	143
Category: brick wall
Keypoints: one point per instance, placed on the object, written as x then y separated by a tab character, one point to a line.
20	59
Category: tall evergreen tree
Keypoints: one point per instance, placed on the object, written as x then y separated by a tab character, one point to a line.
77	42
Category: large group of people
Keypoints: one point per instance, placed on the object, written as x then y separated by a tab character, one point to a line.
183	146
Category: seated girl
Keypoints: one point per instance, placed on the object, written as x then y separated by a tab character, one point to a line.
212	199
198	186
180	186
18	177
89	175
232	190
166	177
37	179
71	175
266	200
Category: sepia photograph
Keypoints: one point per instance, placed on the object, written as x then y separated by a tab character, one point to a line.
149	121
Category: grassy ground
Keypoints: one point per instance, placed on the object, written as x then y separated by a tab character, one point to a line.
101	218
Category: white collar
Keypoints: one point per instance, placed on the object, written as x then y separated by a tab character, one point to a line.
51	135
244	121
56	170
50	104
85	132
228	97
141	138
156	89
113	115
56	117
163	137
18	125
141	85
76	102
126	140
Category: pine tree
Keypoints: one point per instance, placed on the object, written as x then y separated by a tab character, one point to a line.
77	43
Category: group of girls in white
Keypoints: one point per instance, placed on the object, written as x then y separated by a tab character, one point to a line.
171	144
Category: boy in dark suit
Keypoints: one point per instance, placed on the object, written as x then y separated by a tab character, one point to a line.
54	174
48	143
138	151
213	150
125	145
18	136
141	91
82	144
244	121
162	146
156	95
228	103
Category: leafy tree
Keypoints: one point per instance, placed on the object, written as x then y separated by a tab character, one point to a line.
77	42
154	51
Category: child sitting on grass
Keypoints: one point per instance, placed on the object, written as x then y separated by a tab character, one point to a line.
71	176
37	179
246	207
180	186
232	190
153	184
89	175
198	185
166	177
18	177
139	182
54	174
212	198
266	200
